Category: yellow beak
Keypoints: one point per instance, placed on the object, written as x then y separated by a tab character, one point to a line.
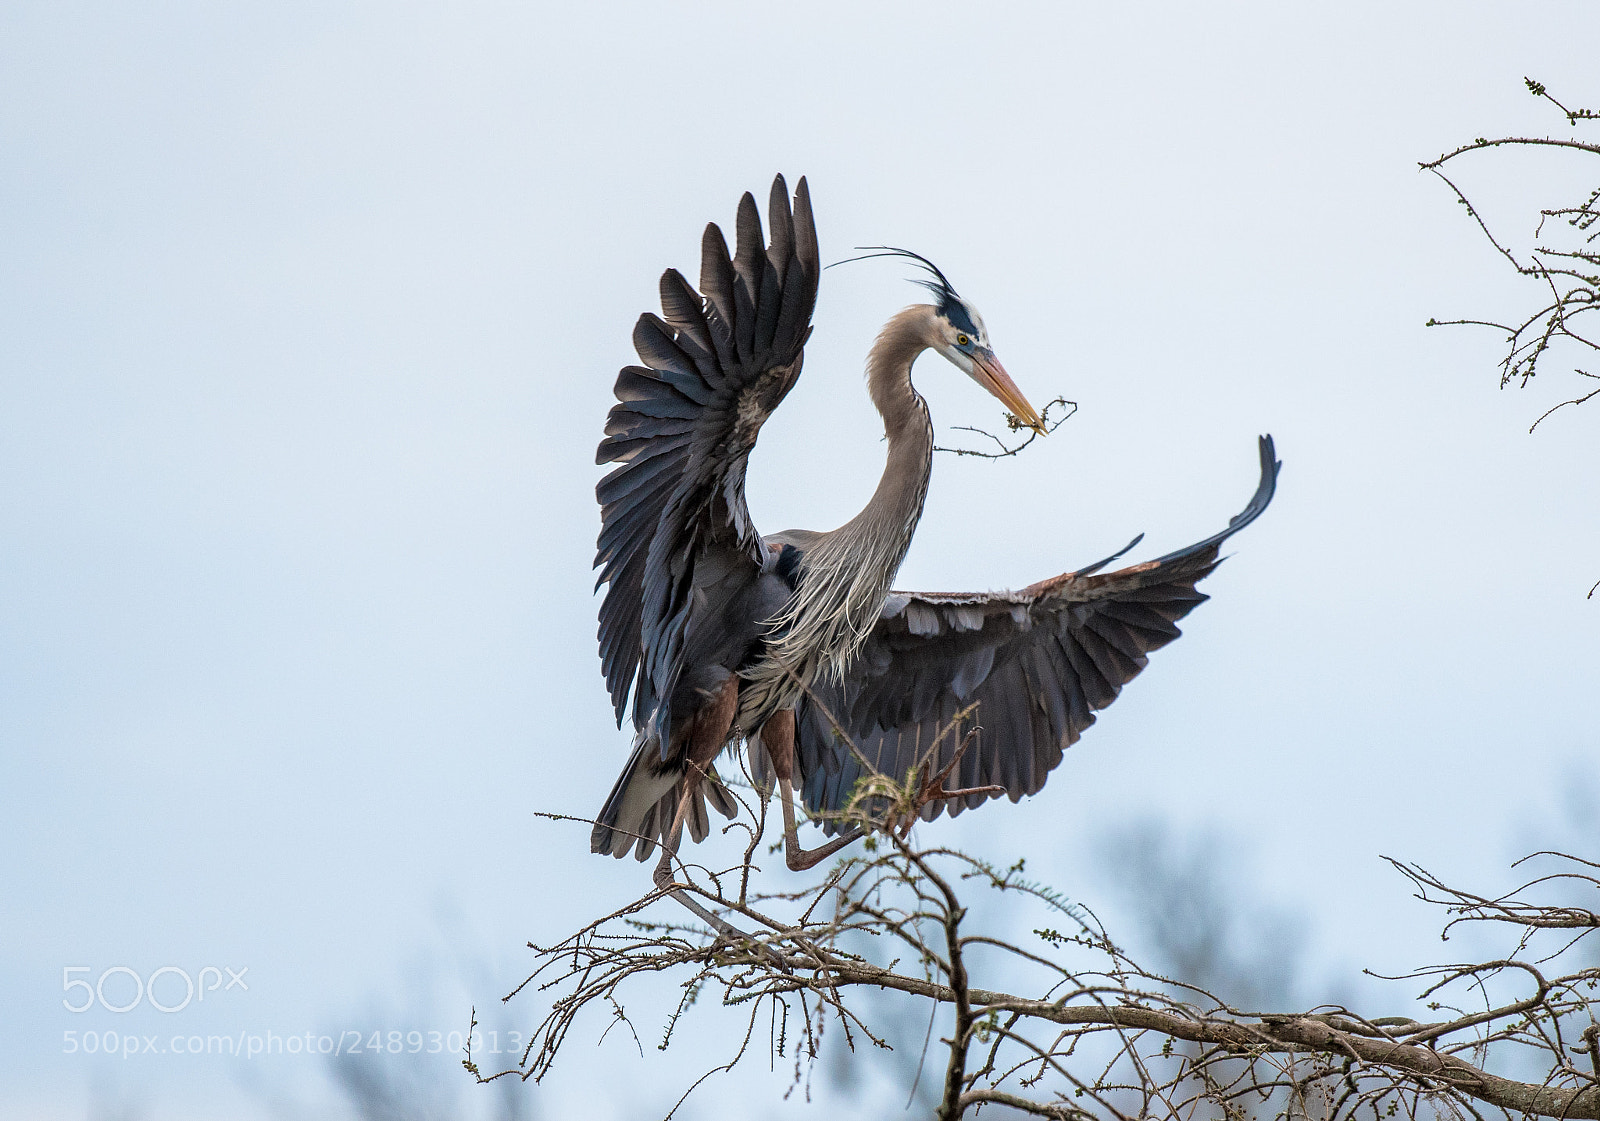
988	373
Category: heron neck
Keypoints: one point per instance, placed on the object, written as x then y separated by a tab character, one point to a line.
847	572
902	339
897	503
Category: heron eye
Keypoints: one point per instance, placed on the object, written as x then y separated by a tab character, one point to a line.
962	340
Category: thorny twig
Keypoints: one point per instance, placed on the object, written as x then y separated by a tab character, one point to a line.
1014	424
1568	274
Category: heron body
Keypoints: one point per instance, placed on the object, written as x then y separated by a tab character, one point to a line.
794	642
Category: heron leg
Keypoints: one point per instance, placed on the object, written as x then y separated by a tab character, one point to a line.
669	852
712	725
777	734
674	834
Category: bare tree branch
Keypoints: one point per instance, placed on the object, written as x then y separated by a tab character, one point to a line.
1567	273
1095	1035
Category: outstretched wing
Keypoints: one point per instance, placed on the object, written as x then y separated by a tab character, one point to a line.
715	364
1029	668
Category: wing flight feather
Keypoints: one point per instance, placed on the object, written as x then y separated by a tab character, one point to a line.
715	364
1033	667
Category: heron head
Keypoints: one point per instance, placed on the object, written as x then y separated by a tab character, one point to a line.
962	339
957	332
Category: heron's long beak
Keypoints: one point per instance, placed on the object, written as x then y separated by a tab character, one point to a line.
988	372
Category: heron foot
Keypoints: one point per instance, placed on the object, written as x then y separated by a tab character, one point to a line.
664	882
724	928
796	855
799	859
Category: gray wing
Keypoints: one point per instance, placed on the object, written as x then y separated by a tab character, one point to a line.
1036	664
715	364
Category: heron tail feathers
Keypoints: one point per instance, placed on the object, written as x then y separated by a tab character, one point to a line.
641	806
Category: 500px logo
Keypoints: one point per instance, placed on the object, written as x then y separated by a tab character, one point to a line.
144	988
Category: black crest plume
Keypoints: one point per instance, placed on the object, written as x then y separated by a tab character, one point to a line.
951	305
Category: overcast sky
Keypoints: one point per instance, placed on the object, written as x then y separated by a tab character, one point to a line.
310	317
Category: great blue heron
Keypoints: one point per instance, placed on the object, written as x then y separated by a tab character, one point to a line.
793	642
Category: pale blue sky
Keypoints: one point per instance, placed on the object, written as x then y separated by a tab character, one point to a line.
309	320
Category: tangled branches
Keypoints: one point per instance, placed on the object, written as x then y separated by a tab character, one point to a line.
1061	1022
1566	271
